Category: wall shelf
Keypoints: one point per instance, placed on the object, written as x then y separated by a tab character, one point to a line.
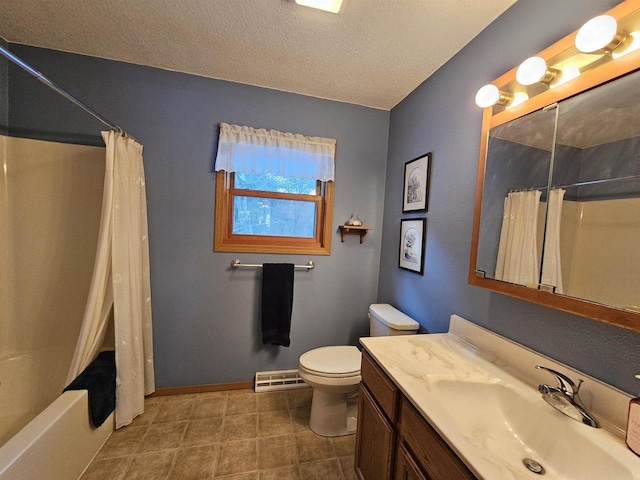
354	230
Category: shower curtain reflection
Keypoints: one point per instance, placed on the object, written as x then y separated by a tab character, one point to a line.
518	249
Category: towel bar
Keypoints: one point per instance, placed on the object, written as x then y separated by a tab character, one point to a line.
235	263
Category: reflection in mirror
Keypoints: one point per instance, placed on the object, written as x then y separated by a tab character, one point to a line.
516	173
597	164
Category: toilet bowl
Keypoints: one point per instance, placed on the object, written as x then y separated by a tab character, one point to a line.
334	374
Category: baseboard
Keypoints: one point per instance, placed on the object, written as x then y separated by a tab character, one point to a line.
215	387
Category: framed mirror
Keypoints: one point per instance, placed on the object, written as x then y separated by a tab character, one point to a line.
557	219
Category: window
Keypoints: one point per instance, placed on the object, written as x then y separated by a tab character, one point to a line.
274	192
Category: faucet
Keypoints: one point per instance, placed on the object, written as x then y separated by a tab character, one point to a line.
564	398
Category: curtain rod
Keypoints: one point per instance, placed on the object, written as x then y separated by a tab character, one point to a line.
578	184
6	53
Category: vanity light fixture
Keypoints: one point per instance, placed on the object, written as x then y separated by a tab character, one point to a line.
332	6
631	44
598	34
490	95
534	70
518	98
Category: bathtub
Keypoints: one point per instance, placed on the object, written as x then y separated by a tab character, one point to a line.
58	444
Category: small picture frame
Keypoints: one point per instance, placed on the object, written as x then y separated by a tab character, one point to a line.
412	243
416	184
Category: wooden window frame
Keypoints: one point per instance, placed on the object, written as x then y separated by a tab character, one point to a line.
226	241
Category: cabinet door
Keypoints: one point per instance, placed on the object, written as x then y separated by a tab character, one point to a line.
406	466
375	440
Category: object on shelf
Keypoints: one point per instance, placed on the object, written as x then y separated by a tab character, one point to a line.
354	221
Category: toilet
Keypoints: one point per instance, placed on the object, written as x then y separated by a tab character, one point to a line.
334	373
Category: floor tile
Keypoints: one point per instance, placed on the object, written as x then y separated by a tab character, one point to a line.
299	419
277	451
345	445
274	423
208	407
300	397
202	432
241	476
194	463
313	447
284	473
237	457
162	436
174	411
233	435
108	469
150	412
272	401
347	464
242	403
322	470
151	466
124	441
239	427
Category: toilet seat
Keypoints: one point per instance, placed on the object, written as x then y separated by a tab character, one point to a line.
332	362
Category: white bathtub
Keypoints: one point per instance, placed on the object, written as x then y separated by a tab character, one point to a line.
58	444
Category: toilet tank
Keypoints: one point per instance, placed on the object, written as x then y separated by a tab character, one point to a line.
386	320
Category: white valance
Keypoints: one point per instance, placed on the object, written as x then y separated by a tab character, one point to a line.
256	150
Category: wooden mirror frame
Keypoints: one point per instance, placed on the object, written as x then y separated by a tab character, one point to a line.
495	116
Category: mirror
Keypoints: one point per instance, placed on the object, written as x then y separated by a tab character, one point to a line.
558	203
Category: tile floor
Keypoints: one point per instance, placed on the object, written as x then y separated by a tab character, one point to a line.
238	435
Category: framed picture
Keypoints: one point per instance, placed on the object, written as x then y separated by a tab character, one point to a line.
416	184
412	241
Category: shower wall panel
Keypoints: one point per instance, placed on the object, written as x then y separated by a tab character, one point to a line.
49	217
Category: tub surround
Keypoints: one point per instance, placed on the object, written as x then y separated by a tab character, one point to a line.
470	354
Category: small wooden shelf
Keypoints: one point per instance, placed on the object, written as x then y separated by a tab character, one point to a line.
354	230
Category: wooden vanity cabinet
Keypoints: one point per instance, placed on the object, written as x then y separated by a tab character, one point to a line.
394	441
429	453
377	415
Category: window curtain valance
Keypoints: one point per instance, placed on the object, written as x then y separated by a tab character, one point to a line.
253	150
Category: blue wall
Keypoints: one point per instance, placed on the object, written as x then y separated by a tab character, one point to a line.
205	314
440	116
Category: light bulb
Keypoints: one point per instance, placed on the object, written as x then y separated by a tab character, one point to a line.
487	96
568	73
518	98
531	71
598	33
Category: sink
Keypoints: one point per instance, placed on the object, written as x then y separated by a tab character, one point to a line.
513	422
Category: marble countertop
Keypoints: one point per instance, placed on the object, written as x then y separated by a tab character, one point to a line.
416	363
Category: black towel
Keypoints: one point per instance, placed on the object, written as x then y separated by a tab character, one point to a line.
99	378
277	303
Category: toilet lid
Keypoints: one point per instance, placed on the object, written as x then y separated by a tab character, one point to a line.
339	360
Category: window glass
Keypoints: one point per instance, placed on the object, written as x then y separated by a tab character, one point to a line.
273	217
275	183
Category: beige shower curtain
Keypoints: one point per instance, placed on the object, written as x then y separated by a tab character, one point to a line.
121	280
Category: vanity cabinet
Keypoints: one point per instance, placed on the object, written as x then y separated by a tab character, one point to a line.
394	441
377	415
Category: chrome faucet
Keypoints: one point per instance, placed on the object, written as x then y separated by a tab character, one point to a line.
564	398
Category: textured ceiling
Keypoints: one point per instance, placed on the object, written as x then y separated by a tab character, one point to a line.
374	53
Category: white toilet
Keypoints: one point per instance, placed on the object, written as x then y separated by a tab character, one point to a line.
334	373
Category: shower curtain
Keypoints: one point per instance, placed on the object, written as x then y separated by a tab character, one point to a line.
518	251
121	281
551	266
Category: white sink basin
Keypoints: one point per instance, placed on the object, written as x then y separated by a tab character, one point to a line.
513	422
